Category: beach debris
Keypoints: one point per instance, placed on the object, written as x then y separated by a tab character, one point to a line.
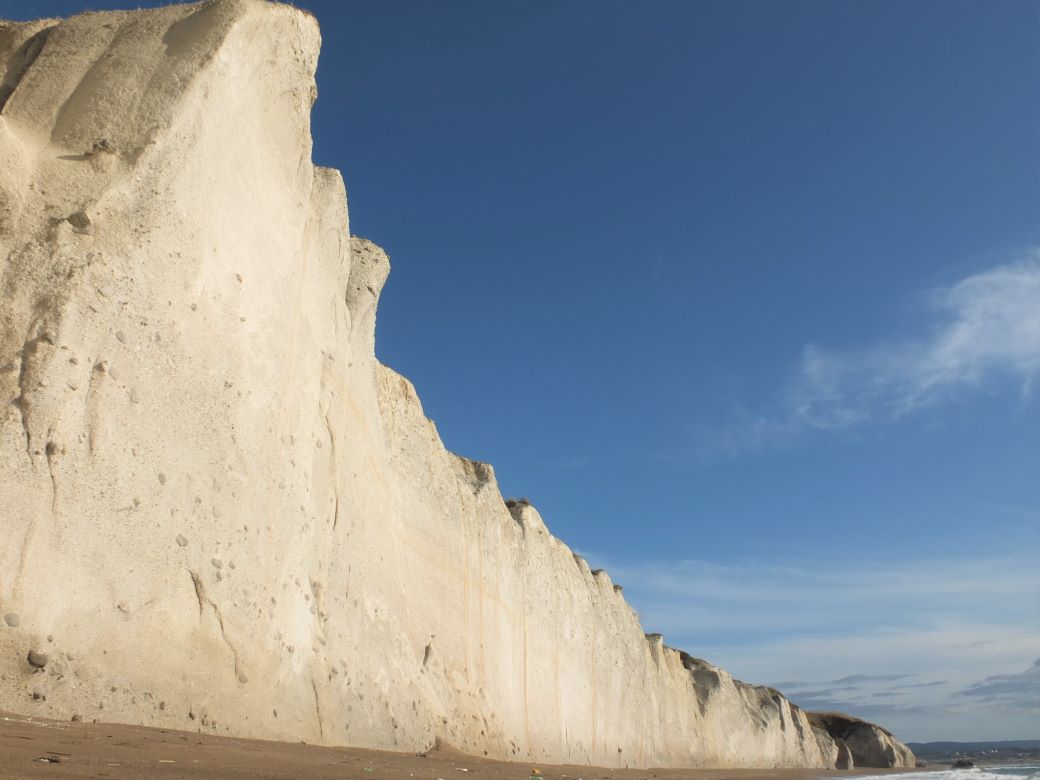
103	145
36	659
80	222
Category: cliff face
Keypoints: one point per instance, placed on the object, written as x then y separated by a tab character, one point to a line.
219	510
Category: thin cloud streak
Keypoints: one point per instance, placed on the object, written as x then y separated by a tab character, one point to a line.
870	678
840	636
714	588
717	603
1021	690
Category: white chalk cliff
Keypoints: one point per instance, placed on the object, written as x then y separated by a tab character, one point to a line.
218	511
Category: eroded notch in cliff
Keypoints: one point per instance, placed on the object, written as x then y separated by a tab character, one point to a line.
427	654
28	377
204	601
516	507
317	710
20	63
706	679
334	463
53	450
200	590
476	474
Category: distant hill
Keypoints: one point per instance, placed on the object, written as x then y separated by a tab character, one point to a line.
995	752
950	747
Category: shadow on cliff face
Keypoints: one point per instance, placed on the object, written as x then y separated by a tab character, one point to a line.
841	726
868	744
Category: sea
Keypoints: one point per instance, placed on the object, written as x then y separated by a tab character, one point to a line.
1006	772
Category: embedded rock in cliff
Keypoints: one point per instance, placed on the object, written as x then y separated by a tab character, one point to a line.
862	744
219	510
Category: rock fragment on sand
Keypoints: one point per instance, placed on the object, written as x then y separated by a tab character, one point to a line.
12	619
182	540
36	659
80	222
103	145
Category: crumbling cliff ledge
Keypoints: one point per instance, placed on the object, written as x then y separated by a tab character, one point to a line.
220	511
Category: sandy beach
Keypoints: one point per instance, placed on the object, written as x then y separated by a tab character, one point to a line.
36	747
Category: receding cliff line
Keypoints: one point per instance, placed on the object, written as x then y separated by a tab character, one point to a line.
190	387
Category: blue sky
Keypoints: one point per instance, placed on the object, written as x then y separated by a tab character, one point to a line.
745	297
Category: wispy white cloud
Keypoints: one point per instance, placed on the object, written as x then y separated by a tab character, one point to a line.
986	326
921	629
981	333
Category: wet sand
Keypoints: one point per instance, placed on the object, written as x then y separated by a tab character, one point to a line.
36	747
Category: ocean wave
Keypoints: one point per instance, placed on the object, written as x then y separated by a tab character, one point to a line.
1020	772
